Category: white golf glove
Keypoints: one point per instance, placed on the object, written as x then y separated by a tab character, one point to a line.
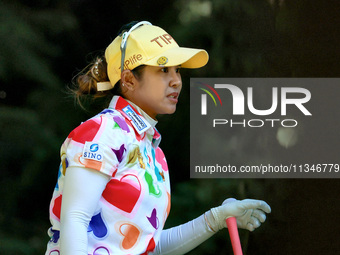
249	213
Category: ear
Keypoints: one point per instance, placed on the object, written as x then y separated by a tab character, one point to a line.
128	80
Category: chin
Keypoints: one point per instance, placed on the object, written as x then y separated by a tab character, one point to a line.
170	111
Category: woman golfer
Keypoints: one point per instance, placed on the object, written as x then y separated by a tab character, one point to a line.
113	190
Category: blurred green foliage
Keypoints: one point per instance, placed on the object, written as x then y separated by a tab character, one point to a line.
45	43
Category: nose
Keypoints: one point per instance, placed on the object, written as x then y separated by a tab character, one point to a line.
176	79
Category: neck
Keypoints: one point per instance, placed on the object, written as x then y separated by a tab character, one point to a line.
149	119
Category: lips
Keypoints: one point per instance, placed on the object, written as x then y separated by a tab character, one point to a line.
173	96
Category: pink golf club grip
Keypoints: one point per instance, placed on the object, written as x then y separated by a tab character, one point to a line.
234	237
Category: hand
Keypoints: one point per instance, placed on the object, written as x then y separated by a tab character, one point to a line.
249	213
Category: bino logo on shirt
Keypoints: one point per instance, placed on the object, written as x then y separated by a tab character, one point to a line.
92	151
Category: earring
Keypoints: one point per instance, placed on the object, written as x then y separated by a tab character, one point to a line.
123	84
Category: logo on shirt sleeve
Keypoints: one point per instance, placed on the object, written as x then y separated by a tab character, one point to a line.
93	151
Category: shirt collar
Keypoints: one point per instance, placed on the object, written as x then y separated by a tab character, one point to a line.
141	121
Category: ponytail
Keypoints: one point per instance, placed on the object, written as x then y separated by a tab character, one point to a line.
85	83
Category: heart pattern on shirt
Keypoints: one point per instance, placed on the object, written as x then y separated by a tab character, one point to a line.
57	206
130	233
101	251
123	193
154	221
97	226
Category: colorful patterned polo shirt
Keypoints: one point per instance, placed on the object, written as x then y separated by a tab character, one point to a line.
132	211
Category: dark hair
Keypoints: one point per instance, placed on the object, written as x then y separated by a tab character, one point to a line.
85	83
126	27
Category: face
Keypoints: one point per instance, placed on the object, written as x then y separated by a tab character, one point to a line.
157	91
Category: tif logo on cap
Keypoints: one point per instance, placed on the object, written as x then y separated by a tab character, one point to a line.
166	38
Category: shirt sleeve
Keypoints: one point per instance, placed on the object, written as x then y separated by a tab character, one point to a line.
82	191
98	143
183	238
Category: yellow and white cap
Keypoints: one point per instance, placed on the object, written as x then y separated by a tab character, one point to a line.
146	44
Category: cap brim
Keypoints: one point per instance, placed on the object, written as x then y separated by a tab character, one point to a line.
185	57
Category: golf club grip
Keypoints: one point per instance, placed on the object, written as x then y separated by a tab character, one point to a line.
234	236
